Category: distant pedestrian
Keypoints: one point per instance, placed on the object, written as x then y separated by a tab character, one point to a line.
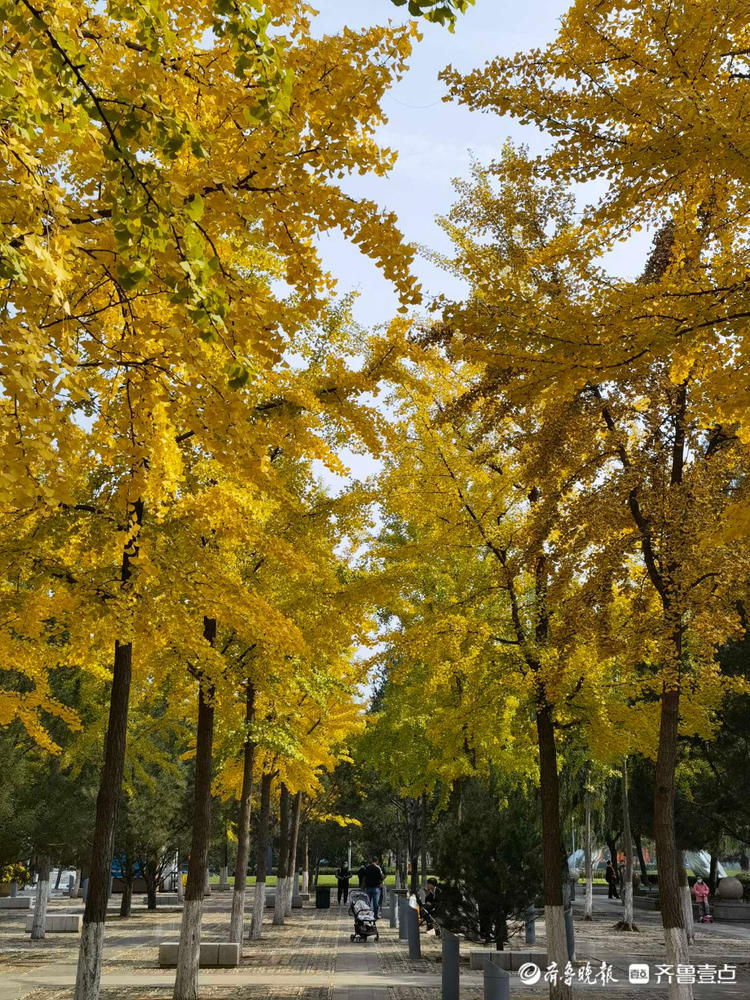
700	891
374	879
342	880
361	875
611	877
430	903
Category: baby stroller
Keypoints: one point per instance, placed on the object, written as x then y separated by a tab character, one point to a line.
364	919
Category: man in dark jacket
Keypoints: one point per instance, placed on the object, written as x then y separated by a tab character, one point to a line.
342	878
611	878
374	879
430	902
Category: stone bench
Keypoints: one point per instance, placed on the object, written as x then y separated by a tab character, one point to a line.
15	903
59	923
222	954
511	961
164	899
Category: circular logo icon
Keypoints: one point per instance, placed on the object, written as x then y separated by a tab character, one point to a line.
529	973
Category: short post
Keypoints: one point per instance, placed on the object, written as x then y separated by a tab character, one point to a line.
496	981
403	906
451	960
13	890
573	881
412	926
531	925
393	911
84	888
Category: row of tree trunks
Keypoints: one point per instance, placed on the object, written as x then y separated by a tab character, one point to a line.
627	924
42	898
256	931
188	955
292	884
237	919
588	909
88	972
282	871
549	786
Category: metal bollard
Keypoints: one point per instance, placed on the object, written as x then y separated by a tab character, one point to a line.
572	889
531	925
570	934
412	927
84	888
403	905
496	982
393	911
451	960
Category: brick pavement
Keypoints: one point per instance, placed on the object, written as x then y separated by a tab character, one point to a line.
312	958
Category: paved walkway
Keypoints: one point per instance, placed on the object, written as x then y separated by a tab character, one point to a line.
312	958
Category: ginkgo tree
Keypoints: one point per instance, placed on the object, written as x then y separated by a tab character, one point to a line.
648	477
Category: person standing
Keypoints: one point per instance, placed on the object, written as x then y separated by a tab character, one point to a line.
611	878
342	880
374	879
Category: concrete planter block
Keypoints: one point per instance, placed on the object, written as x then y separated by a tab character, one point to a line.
59	923
209	955
163	899
502	959
519	958
229	954
15	903
270	898
726	909
297	902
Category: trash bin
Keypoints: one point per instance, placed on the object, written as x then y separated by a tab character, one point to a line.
323	897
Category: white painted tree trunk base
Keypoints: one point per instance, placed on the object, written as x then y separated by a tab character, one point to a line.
588	904
73	893
89	969
557	948
224	875
687	912
677	953
259	902
305	881
627	895
279	898
237	919
40	910
188	956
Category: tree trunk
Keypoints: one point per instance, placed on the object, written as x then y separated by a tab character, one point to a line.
641	859
423	845
88	973
686	900
677	952
237	919
59	876
278	910
554	917
306	865
588	909
188	955
150	873
42	898
292	883
256	931
127	894
626	924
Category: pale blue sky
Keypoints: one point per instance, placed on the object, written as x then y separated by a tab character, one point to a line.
435	140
